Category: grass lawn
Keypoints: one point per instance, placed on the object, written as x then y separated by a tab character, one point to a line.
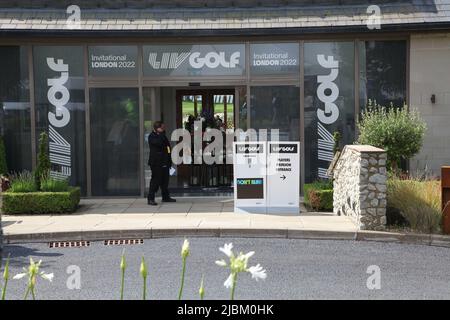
188	108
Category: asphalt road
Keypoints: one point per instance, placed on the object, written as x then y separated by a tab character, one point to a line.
297	269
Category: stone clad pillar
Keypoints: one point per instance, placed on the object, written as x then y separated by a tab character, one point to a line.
359	183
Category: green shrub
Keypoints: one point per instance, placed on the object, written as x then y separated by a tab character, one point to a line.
43	162
41	202
337	141
419	202
49	184
317	185
319	195
23	182
397	130
3	164
321	199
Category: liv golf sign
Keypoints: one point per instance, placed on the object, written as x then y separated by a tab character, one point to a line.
58	96
194	60
327	92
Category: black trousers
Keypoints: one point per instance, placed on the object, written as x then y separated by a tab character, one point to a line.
159	179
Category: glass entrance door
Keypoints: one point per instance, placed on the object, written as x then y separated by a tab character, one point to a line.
114	115
179	108
215	109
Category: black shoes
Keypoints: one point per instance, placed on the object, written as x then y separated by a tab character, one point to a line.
153	203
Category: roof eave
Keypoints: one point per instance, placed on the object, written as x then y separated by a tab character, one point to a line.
409	27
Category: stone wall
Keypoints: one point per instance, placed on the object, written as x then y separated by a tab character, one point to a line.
359	183
430	74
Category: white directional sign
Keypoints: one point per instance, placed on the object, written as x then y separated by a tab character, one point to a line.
250	177
283	177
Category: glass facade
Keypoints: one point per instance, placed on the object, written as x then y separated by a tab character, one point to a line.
15	121
276	108
382	72
261	83
329	102
115	161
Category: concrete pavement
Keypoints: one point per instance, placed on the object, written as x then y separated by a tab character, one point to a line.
132	218
208	216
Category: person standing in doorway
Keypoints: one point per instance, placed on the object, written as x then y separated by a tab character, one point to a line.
160	162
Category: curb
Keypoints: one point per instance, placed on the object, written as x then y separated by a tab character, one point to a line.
363	235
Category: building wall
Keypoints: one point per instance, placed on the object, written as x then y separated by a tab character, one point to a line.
430	74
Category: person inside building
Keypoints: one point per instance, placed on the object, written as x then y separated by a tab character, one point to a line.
189	124
160	162
219	122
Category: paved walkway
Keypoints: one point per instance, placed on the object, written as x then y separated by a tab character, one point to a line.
132	218
194	214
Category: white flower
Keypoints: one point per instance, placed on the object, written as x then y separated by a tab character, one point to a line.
257	272
47	276
229	282
238	264
227	249
249	255
19	276
185	248
221	263
33	270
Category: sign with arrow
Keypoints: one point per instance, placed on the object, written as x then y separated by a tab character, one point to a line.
283	177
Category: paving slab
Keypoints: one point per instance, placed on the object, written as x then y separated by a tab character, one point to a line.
203	214
119	201
121	225
212	207
104	210
174	223
219	222
212	211
258	224
200	216
146	210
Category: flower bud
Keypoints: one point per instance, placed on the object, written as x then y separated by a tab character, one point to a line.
143	269
185	249
123	263
201	291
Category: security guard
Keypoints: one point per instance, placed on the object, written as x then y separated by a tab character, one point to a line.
160	162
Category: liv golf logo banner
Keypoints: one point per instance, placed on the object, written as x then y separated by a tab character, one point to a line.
58	96
194	60
328	113
212	60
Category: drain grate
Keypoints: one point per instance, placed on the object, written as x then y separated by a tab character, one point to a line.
69	244
123	242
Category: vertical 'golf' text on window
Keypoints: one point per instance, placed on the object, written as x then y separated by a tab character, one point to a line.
327	92
58	95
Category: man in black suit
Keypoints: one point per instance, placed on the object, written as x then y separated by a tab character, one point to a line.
160	162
